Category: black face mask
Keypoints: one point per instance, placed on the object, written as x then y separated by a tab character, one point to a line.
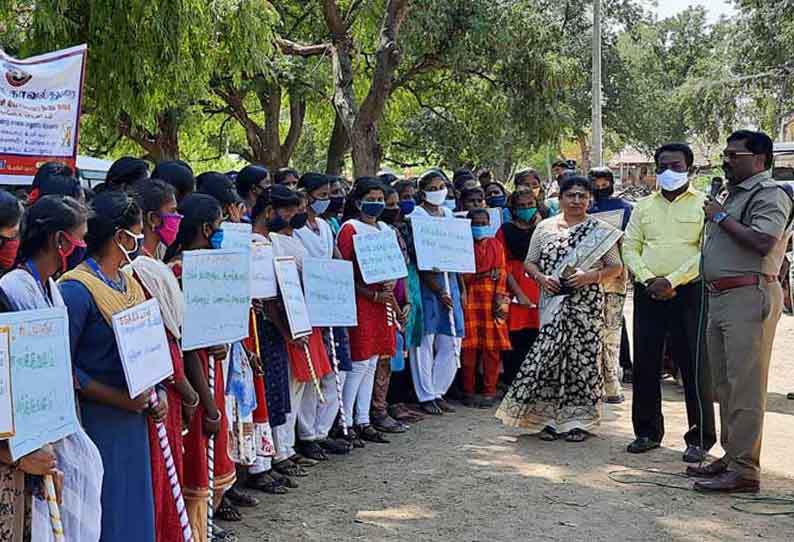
336	205
299	220
603	193
390	216
277	224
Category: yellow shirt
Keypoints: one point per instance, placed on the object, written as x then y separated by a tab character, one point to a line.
663	238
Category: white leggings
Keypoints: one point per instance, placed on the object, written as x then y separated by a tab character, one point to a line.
358	390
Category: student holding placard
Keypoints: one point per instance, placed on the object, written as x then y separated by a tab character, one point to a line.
201	229
157	201
53	231
272	333
315	418
433	362
290	214
94	291
375	335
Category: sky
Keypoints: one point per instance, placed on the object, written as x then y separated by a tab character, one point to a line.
667	8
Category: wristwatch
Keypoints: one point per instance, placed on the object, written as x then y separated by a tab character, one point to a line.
719	217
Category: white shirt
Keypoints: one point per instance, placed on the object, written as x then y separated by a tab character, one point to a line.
318	244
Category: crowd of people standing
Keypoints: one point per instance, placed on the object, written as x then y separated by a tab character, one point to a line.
539	322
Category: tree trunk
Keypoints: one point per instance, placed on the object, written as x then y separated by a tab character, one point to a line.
159	146
338	146
584	149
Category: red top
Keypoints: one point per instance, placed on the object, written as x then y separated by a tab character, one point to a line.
521	316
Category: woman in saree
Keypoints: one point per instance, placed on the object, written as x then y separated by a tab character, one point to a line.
558	389
199	229
93	292
52	242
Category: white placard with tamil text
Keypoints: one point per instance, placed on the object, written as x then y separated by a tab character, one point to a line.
143	346
263	276
289	284
217	288
330	292
613	218
443	244
379	256
41	378
236	235
6	399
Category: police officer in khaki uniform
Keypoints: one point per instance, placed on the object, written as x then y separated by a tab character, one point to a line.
746	239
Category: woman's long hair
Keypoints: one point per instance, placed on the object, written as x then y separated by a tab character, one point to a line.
196	210
110	212
50	214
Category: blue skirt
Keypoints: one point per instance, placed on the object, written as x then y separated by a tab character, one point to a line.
275	363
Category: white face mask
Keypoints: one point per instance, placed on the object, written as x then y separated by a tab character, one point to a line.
436	198
670	180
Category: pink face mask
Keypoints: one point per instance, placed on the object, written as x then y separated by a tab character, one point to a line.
169	227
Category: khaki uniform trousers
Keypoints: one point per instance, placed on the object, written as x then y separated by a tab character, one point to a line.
740	332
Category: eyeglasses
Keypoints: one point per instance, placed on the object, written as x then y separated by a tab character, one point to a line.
733	155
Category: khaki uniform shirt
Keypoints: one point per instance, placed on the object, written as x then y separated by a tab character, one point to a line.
768	212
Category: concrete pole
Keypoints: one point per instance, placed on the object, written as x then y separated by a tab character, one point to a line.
596	152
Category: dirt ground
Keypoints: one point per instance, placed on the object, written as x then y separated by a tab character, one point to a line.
465	478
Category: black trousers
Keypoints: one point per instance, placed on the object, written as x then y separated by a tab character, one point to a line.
653	320
521	341
625	347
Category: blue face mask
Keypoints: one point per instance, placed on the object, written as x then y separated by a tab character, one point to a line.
372	208
525	215
319	206
407	206
216	239
449	204
480	232
496	201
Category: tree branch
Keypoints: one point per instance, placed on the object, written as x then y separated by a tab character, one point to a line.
297	49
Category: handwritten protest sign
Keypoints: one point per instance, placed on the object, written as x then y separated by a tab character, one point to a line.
217	287
143	346
40	100
263	276
443	244
330	292
6	400
41	378
289	283
236	235
379	256
494	222
613	218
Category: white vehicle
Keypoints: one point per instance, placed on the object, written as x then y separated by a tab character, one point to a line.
92	171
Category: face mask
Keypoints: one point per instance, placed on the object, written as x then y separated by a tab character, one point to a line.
132	254
277	224
168	228
216	239
321	205
74	256
390	216
449	204
337	204
436	198
372	208
526	215
480	232
603	193
8	253
670	180
496	201
407	206
299	220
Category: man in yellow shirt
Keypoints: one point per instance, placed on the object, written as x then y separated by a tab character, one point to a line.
661	248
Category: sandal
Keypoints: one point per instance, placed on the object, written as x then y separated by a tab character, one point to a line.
577	435
430	407
402	413
303	461
227	512
240	499
288	468
370	434
386	424
284	481
335	446
548	434
311	449
219	534
265	483
445	406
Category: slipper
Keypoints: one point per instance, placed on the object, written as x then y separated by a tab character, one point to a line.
445	406
227	512
548	435
386	424
430	407
370	434
284	481
577	435
265	483
303	461
288	468
311	450
240	499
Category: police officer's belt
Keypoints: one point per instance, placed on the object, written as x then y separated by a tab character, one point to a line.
729	283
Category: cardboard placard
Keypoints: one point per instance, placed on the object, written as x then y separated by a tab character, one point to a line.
289	284
379	256
217	288
330	292
6	397
263	275
143	346
443	244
